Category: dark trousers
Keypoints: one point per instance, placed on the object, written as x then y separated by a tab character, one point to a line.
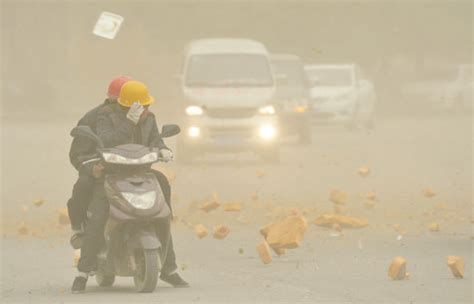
98	208
79	201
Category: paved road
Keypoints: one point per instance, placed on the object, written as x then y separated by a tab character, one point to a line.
405	155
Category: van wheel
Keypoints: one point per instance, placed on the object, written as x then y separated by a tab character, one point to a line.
146	277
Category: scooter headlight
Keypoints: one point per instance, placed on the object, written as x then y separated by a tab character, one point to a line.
118	159
140	201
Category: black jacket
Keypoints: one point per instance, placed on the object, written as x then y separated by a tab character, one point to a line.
83	148
114	128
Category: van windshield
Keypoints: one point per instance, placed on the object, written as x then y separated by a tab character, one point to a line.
228	70
330	76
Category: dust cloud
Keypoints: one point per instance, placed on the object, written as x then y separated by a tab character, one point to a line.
334	210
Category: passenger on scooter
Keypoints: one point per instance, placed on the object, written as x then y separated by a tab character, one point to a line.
82	155
127	121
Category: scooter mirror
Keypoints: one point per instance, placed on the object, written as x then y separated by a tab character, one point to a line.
86	131
170	130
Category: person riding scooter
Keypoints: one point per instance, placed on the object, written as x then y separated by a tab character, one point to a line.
127	121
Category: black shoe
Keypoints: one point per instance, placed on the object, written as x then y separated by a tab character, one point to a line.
175	280
79	285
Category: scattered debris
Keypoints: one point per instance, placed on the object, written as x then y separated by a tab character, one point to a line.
241	251
397	269
108	25
24	209
441	206
433	227
429	192
286	233
232	207
456	264
260	173
364	171
200	231
254	196
371	195
264	252
211	204
338	197
63	217
221	232
23	229
38	202
345	221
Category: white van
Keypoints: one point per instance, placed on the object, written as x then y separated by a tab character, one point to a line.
228	86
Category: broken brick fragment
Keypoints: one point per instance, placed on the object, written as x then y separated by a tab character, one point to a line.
287	233
345	221
434	227
397	269
429	192
212	204
364	171
38	202
200	231
456	264
338	197
23	229
232	207
264	252
221	232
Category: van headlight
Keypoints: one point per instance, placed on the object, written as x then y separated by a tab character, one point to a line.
194	110
194	132
140	201
267	132
267	110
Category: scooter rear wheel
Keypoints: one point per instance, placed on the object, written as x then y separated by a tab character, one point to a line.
146	276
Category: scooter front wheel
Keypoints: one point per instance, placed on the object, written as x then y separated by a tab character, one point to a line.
146	276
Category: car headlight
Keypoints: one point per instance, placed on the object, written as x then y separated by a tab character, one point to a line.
118	159
140	201
267	132
267	110
194	110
